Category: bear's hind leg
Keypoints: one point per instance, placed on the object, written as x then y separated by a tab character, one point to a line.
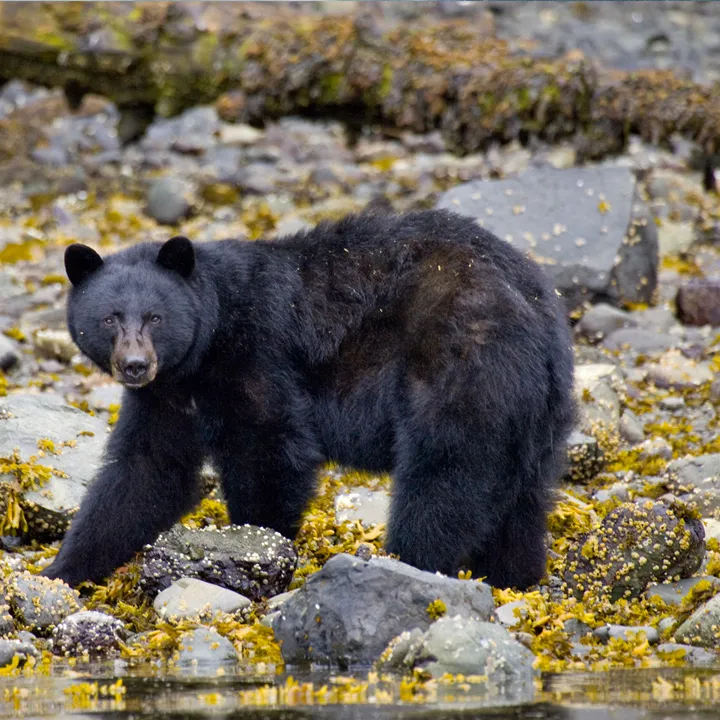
269	476
516	556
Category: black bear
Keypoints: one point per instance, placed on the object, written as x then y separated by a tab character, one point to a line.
418	344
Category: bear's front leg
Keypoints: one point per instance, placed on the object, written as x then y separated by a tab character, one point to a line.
148	480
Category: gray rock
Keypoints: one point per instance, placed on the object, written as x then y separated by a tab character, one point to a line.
170	200
88	632
193	131
255	562
640	341
189	597
576	629
506	615
462	645
673	593
658	319
7	624
602	319
369	507
104	396
275	602
596	386
10	648
349	611
27	418
676	372
696	479
205	649
9	353
576	223
626	632
586	458
672	403
691	654
635	544
703	626
38	602
698	301
54	345
631	429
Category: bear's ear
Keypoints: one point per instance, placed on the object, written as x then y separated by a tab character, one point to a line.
81	261
178	255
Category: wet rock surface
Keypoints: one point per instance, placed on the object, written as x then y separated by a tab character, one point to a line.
348	612
254	562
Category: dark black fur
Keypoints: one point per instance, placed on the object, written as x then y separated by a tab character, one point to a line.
418	344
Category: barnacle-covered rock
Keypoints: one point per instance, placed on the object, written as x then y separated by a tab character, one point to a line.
636	544
253	561
39	603
88	632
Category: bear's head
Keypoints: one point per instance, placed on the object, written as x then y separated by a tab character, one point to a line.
135	314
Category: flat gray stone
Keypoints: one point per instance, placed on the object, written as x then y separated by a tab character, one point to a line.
575	222
506	615
691	654
640	341
348	612
26	418
602	319
369	507
673	593
626	632
190	597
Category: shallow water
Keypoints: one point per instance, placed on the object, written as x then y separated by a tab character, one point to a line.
84	691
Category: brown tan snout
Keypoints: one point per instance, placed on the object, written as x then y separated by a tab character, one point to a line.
134	361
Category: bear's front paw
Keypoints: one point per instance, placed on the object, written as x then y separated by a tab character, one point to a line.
59	571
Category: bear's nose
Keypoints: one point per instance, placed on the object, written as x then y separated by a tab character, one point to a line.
135	368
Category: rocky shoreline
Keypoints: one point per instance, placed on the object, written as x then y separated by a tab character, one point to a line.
631	242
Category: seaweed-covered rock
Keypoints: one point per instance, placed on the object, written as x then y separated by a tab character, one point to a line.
585	457
190	597
40	603
88	632
636	544
462	645
349	611
255	562
586	226
58	436
596	387
703	626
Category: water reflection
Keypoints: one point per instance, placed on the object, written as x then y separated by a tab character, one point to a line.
114	690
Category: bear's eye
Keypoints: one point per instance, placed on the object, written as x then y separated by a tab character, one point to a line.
155	319
109	321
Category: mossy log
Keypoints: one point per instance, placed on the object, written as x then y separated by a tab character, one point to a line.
431	74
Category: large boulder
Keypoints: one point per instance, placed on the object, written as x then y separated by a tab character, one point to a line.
347	613
586	226
59	436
